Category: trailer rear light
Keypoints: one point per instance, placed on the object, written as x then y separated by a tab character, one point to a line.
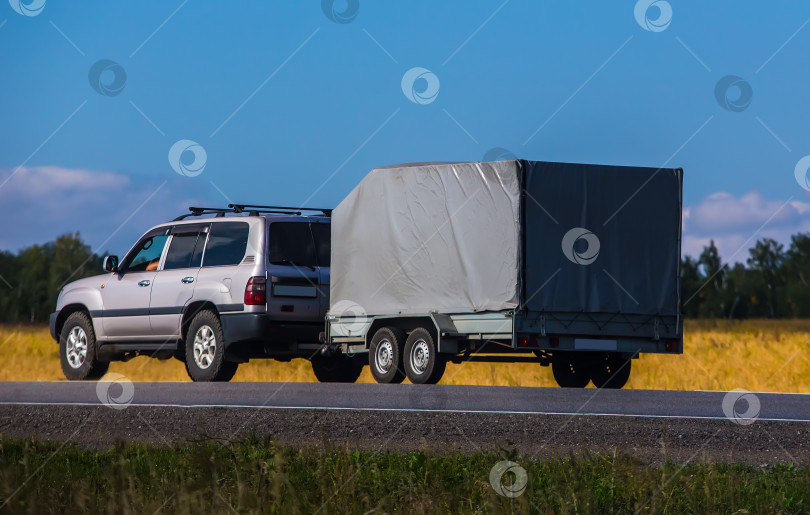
527	340
670	346
256	291
554	341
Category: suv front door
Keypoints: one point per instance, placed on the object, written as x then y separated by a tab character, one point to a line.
173	285
125	294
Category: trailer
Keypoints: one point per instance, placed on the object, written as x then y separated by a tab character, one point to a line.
574	266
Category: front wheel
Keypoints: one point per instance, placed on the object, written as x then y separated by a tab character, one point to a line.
77	349
205	350
337	369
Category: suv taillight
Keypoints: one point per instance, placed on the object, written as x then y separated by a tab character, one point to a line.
256	291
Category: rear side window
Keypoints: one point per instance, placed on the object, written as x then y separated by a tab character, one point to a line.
290	243
227	242
185	250
323	242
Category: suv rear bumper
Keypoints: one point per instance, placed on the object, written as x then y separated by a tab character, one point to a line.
258	327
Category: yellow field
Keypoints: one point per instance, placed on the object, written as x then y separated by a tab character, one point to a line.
760	355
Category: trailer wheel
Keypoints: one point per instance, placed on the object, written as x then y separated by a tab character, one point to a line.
385	355
610	370
337	369
570	370
423	363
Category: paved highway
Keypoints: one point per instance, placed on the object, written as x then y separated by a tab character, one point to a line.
410	398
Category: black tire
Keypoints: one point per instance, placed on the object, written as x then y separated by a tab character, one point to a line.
421	359
206	330
385	355
339	368
80	363
610	370
570	370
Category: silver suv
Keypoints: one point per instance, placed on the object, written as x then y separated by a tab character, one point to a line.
213	291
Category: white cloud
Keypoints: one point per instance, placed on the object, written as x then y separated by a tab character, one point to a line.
736	223
37	204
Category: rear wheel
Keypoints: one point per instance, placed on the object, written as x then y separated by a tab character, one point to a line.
339	368
610	370
77	349
570	370
205	350
423	363
385	355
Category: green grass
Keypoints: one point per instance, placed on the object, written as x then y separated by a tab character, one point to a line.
259	476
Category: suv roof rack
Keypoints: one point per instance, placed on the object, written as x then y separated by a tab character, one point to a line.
250	209
253	208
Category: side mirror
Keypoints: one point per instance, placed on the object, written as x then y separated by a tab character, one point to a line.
110	263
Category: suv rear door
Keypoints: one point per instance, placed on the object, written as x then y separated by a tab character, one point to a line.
292	274
173	285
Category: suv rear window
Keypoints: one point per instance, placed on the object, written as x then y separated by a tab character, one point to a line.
227	242
290	243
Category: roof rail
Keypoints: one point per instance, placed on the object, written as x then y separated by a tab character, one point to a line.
250	209
199	211
240	208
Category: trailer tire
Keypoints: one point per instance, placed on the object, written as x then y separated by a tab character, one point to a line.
337	369
610	370
570	370
422	361
385	355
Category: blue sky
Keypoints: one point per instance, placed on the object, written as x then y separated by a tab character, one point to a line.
291	106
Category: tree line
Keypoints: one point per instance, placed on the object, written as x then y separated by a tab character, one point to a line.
774	282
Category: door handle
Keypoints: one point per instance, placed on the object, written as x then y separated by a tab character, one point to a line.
187	280
145	282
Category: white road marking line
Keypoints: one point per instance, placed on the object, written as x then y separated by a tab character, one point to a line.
414	410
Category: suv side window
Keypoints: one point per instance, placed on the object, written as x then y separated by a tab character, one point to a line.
185	250
290	243
146	256
323	242
227	242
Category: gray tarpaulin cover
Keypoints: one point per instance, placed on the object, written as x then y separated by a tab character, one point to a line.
448	237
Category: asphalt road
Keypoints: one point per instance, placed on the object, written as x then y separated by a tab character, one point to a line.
406	397
651	426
